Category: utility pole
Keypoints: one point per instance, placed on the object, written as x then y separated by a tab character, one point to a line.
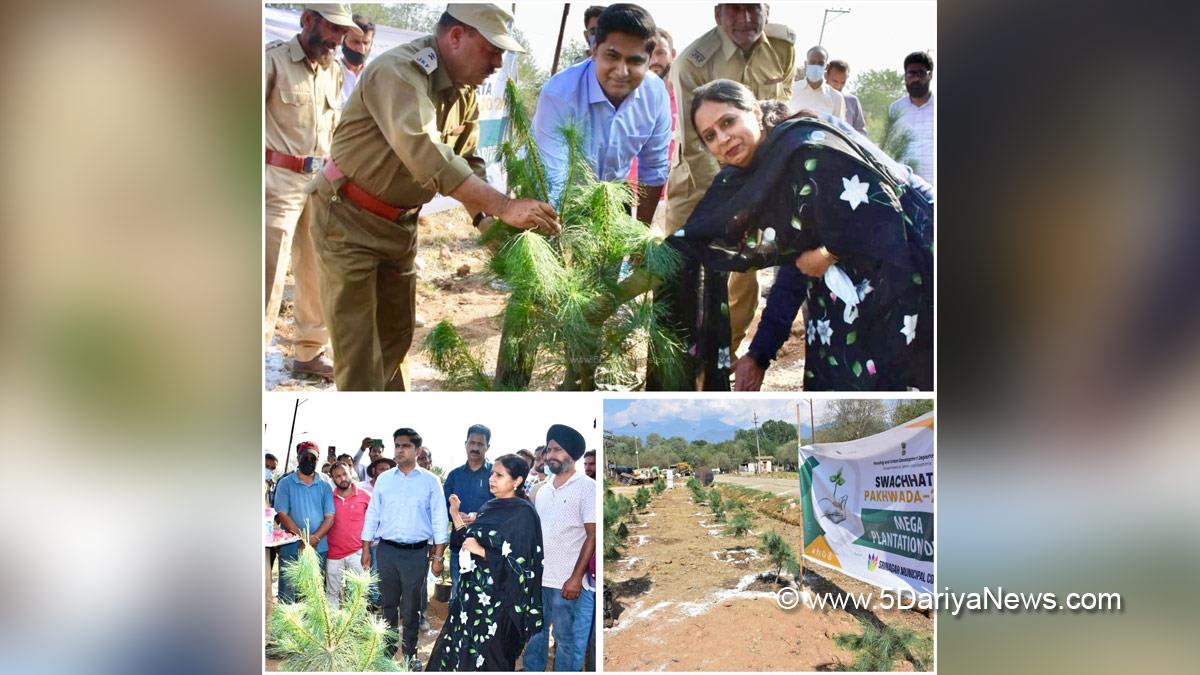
562	28
812	424
291	434
637	454
825	20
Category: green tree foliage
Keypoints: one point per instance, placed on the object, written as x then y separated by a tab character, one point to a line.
739	524
641	498
310	635
780	554
876	89
421	18
616	509
854	419
910	409
574	51
660	486
878	648
565	318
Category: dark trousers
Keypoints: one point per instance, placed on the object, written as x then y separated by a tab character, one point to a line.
401	583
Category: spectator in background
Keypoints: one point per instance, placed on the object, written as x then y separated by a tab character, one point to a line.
811	92
837	72
589	464
591	16
374	449
566	506
623	112
538	474
660	64
425	458
345	537
305	508
915	112
355	50
270	464
470	483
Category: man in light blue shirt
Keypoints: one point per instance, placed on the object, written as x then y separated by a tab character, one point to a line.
623	110
305	508
407	510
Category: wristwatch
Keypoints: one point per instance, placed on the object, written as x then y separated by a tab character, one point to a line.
478	219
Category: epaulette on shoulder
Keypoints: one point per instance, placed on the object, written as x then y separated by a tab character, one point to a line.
780	32
702	49
273	44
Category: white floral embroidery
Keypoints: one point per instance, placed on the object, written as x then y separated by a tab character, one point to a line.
723	360
855	192
492	629
462	616
505	549
864	288
850	314
811	333
465	563
479	661
824	330
485	599
910	328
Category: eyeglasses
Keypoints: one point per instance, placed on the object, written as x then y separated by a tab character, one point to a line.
916	73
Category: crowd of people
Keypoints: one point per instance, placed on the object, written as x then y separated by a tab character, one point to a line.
353	152
520	531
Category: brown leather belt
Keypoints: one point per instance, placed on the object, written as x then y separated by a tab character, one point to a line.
360	197
294	163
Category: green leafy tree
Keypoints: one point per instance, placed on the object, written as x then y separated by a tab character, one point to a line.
739	524
910	409
421	18
568	316
310	635
876	89
780	554
853	419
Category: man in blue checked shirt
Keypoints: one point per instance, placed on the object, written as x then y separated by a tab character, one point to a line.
407	510
622	109
470	483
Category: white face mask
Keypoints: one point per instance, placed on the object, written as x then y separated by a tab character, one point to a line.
813	73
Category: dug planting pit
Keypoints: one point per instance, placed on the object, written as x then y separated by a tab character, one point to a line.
739	556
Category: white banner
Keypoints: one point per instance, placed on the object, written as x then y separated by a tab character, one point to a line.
868	506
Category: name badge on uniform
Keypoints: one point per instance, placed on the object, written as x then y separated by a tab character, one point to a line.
427	59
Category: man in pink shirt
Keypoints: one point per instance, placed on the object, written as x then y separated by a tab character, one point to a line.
345	538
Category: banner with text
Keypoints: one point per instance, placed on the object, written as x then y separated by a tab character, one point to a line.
868	506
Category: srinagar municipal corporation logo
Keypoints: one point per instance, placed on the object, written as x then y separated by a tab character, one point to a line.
872	562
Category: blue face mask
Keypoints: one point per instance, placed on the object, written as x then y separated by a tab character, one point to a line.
813	73
267	474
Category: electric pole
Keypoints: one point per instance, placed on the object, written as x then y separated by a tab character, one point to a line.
825	20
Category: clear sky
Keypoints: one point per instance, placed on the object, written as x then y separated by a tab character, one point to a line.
517	420
873	35
738	411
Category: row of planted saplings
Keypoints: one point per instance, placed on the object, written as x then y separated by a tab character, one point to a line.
738	519
620	511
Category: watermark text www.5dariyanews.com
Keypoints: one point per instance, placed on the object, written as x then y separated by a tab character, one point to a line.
987	600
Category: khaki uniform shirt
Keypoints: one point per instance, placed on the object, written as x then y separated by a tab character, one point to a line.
408	132
768	72
304	100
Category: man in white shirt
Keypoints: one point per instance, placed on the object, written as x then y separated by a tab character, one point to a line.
566	506
814	94
915	112
355	49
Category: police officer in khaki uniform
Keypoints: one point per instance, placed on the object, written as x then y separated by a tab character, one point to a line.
409	131
744	48
303	102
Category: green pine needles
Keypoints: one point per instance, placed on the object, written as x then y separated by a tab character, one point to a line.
568	319
309	635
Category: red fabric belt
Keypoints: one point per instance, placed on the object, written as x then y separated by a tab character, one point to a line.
294	163
360	197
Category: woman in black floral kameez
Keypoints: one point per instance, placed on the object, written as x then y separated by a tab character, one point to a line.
497	605
815	194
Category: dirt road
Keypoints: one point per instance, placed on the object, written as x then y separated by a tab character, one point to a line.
688	597
452	284
776	486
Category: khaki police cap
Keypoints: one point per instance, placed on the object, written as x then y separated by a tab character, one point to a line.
336	13
492	21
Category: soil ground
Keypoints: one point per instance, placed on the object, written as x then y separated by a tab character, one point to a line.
687	597
452	284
